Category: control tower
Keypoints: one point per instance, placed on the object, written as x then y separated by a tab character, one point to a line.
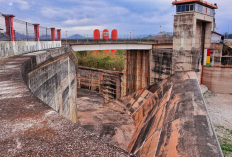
193	24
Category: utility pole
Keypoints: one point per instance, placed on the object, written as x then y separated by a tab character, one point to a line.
66	37
27	31
228	32
130	35
160	29
133	34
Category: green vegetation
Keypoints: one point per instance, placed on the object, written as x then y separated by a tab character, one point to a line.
102	59
2	36
225	138
226	146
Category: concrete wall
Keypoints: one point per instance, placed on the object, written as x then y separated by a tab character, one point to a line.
54	81
11	48
161	64
218	74
136	73
105	82
171	119
218	79
145	67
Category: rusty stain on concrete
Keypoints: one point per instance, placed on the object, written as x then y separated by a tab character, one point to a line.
177	119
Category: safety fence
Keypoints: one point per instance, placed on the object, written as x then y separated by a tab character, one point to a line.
118	41
24	31
158	36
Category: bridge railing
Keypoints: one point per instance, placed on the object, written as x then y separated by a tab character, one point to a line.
158	36
129	41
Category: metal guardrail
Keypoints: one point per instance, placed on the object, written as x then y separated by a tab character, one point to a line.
158	36
130	41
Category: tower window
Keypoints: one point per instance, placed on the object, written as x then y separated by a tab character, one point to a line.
187	7
191	8
178	8
183	8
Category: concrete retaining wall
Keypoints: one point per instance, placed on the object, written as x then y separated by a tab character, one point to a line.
136	71
54	81
218	79
55	84
11	48
104	82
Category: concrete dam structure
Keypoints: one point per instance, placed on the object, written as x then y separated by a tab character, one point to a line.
154	107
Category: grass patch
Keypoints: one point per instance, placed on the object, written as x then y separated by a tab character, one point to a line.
106	60
226	146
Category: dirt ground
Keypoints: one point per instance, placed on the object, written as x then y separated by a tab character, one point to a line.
115	127
220	110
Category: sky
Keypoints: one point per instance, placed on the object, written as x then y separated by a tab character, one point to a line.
83	16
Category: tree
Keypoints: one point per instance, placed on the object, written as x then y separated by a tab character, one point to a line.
2	35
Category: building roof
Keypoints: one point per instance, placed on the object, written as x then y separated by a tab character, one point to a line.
217	33
196	1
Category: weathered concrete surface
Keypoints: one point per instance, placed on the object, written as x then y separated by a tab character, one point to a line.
54	83
29	127
136	73
171	119
114	126
217	75
218	79
191	35
104	82
12	48
161	64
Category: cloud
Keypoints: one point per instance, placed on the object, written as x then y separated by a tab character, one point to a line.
20	4
83	16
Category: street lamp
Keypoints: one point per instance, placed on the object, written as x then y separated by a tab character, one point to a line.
133	34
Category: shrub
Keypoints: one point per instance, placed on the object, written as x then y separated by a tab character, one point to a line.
101	59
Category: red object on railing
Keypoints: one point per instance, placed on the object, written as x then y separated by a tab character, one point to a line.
53	34
9	27
59	34
114	34
105	34
96	34
36	30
